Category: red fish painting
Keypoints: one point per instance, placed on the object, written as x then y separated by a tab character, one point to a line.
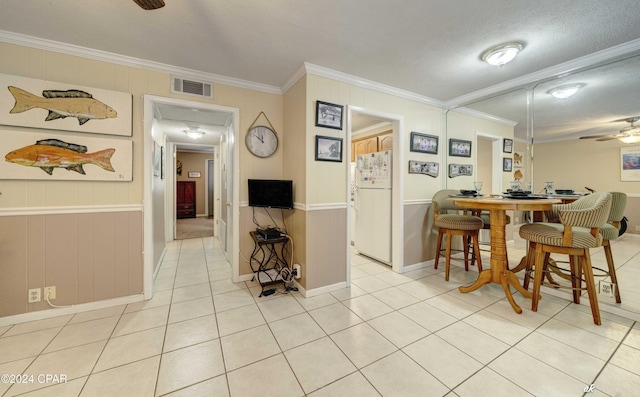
62	104
48	154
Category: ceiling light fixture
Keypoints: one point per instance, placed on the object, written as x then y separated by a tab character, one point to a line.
565	91
501	54
631	139
193	133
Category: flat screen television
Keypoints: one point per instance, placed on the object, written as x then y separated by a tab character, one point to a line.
271	193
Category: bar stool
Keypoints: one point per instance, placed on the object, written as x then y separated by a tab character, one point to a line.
577	231
450	222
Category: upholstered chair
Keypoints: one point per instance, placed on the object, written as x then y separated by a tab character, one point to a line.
451	222
578	230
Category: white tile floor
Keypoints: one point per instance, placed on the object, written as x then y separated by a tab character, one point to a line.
390	334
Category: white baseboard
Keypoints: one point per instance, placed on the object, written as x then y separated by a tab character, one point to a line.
73	309
321	290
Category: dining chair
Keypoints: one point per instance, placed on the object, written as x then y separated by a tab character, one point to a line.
451	222
578	230
611	231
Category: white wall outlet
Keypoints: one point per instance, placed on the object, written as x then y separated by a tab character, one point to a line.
34	295
607	288
49	293
297	270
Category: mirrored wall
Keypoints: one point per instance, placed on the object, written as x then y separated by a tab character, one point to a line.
609	93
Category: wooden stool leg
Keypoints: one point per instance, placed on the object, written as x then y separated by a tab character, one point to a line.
438	245
537	276
612	268
591	287
576	276
465	248
530	258
476	251
448	254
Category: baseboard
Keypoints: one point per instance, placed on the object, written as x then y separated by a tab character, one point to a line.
73	309
321	290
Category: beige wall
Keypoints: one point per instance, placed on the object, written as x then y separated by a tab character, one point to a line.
195	162
579	163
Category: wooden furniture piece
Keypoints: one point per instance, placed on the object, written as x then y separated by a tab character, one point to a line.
185	199
372	144
611	231
269	260
577	232
451	223
497	208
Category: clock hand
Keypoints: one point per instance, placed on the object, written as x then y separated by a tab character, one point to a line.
260	137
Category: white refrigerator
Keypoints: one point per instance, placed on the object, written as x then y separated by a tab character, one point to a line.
372	205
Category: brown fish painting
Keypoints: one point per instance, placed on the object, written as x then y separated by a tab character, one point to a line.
48	154
62	104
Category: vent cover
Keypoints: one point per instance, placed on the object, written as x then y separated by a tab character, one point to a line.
191	87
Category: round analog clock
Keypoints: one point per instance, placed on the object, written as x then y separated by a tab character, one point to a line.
261	141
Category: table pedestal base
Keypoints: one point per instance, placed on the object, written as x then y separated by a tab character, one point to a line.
505	278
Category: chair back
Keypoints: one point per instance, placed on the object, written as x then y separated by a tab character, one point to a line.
592	217
618	205
440	202
584	202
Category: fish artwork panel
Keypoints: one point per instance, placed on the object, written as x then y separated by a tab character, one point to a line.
61	104
54	153
47	156
26	102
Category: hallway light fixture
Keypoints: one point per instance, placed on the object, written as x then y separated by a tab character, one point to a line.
194	133
501	54
565	91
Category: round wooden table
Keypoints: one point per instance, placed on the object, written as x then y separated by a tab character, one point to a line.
497	207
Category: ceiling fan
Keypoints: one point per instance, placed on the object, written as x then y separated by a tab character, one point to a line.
150	4
629	134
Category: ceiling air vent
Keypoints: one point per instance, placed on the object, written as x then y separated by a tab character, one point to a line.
191	87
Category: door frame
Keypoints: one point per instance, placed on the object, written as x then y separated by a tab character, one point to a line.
496	160
397	195
148	244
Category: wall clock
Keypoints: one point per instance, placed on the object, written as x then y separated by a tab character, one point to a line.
261	141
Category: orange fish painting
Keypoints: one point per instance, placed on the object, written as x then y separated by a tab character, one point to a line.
62	104
48	154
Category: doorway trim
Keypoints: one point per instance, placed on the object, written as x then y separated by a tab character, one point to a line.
397	195
496	160
148	244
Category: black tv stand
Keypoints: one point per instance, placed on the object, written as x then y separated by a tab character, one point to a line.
269	261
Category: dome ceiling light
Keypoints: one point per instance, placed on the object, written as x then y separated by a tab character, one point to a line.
194	133
502	54
565	91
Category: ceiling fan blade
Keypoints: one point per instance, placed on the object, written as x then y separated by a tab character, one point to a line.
150	4
593	136
607	138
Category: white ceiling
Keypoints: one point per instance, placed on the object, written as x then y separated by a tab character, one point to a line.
428	47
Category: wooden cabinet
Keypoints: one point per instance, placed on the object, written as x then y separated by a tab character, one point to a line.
185	199
371	145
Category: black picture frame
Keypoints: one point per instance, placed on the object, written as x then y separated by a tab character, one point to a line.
328	148
507	146
329	115
507	164
459	148
423	143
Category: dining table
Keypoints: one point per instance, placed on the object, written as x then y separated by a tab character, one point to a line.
498	206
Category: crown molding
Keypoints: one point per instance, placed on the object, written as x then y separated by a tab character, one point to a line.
548	73
372	85
90	53
485	116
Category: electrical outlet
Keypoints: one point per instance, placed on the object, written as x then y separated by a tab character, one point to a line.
297	271
49	293
34	295
607	288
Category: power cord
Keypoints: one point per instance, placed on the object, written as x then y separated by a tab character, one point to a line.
51	304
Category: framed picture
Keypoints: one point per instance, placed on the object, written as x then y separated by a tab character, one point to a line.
194	174
328	148
329	115
507	164
423	143
460	170
459	148
425	168
630	163
507	146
